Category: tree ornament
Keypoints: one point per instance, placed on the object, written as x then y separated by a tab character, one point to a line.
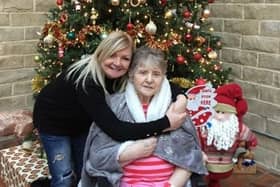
63	17
206	13
151	28
196	27
217	67
189	25
71	35
197	56
115	2
209	49
212	55
135	4
78	6
219	44
163	2
49	39
188	37
59	3
200	40
129	26
37	58
168	14
187	14
60	50
94	15
180	59
103	35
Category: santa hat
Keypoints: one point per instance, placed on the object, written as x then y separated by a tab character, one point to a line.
230	100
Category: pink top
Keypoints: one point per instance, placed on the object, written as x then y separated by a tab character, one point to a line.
149	169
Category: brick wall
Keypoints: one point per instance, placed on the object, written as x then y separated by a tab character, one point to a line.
20	20
250	30
251	35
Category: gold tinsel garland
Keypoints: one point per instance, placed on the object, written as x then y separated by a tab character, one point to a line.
182	82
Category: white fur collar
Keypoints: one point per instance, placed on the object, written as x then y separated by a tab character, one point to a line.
157	107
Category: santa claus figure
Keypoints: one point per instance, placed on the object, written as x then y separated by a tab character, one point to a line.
224	132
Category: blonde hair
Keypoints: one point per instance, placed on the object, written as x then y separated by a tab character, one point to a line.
91	66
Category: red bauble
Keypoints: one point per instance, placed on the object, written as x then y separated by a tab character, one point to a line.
129	26
163	2
209	49
180	59
200	81
211	1
187	14
188	37
59	2
197	56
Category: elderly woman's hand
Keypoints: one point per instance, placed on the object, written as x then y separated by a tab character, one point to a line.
177	113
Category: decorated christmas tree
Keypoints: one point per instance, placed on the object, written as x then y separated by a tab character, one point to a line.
179	27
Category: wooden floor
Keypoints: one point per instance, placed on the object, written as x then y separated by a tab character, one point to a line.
262	178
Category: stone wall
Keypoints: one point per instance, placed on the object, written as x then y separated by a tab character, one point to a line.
20	20
250	30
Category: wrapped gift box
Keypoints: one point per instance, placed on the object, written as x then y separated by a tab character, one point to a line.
20	168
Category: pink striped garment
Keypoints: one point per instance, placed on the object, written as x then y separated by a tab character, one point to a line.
148	170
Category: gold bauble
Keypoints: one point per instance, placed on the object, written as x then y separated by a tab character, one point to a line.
168	14
200	40
37	58
94	14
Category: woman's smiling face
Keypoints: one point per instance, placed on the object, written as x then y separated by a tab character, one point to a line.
117	65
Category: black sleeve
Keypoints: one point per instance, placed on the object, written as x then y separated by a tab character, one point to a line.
93	101
176	90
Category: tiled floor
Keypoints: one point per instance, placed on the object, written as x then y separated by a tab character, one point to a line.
262	178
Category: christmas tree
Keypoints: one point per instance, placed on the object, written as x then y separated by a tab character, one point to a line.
179	27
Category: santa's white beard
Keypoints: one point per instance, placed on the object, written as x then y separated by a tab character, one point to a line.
222	134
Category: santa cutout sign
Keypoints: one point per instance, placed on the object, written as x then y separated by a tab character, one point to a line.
200	103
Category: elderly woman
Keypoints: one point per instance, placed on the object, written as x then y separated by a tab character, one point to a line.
136	163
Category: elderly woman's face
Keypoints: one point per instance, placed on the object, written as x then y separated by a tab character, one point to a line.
147	81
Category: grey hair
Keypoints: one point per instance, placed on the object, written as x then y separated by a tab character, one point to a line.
145	55
91	66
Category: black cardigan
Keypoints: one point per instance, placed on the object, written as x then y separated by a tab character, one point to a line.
61	108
